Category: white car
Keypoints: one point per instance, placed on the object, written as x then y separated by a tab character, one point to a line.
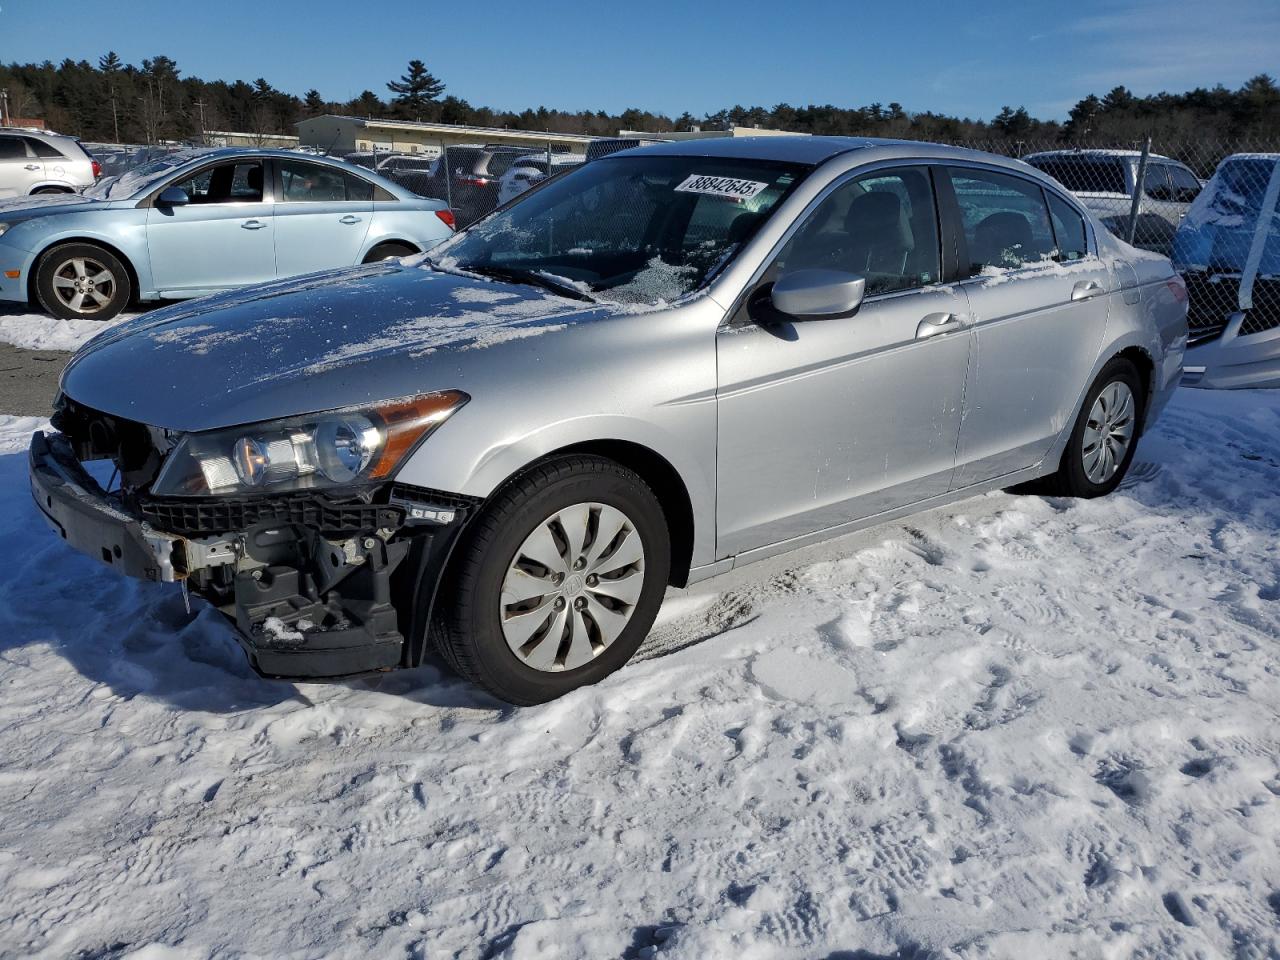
532	170
35	161
1104	181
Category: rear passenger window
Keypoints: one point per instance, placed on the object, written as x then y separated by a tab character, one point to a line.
1006	222
312	183
11	148
881	226
42	149
1068	228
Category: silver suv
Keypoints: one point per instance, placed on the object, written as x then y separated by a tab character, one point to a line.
1104	181
655	368
35	161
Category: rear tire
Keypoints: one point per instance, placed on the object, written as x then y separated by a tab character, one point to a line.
389	251
40	191
81	281
531	630
1104	439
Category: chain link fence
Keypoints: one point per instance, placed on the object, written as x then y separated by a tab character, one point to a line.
1210	206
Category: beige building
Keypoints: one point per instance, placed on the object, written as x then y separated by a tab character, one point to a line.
347	134
231	138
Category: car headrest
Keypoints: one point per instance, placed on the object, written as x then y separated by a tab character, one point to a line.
1002	239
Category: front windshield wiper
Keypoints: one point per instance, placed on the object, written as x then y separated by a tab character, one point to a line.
536	278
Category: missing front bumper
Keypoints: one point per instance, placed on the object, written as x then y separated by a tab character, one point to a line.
305	605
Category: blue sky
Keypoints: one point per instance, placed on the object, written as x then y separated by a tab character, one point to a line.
964	58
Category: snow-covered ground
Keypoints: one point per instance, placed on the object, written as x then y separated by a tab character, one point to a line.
1013	728
38	331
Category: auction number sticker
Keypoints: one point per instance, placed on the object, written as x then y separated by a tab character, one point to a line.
721	186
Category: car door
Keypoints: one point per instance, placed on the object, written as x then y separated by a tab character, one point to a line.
20	171
322	218
826	421
221	238
1038	295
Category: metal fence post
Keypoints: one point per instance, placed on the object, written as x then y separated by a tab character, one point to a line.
1136	205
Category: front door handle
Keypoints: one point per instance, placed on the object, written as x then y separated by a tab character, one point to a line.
253	224
1086	289
936	323
32	166
349	219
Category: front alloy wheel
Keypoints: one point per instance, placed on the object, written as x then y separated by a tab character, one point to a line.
572	587
556	581
80	281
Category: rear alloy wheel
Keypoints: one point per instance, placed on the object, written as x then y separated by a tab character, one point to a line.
557	581
79	281
1104	438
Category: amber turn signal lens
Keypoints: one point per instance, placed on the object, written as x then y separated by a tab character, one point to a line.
409	421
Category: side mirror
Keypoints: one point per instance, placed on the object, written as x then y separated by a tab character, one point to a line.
173	197
811	294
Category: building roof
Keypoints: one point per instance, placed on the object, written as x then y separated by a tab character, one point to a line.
447	128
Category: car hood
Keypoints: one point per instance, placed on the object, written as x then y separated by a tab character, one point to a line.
45	204
323	341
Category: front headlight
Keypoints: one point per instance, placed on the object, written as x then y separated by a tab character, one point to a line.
336	448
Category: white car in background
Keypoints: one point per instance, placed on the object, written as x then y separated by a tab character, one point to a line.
532	170
36	161
1104	181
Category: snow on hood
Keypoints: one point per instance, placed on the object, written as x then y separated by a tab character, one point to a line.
318	342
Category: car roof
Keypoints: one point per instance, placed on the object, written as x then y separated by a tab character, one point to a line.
1094	154
817	150
229	153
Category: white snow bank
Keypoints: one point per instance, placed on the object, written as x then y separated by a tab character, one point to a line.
37	331
1012	728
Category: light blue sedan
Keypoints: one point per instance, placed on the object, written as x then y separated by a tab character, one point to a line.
195	223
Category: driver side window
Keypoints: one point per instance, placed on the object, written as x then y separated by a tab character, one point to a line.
882	226
236	182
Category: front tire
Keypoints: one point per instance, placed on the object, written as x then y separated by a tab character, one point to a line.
557	582
81	281
1105	436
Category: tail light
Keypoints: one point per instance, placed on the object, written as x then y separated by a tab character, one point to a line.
447	218
1178	287
97	169
474	181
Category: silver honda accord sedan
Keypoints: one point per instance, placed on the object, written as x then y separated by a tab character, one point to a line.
643	373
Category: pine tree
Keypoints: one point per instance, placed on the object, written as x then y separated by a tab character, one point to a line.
314	102
110	67
416	89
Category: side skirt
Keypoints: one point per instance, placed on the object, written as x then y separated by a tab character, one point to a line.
706	571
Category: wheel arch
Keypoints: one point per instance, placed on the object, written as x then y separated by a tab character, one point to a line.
388	242
115	251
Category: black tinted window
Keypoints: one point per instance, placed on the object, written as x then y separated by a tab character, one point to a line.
1068	228
1185	185
1084	174
11	148
1006	223
1155	181
43	149
225	183
881	226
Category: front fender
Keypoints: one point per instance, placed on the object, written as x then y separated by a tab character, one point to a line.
127	237
459	460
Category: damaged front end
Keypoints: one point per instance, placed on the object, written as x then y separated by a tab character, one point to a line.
322	578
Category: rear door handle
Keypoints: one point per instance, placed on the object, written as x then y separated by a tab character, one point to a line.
349	219
32	166
936	323
1086	289
253	225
